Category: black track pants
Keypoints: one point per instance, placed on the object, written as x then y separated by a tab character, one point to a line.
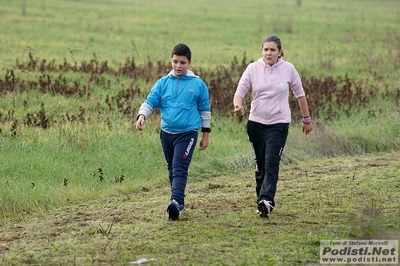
267	143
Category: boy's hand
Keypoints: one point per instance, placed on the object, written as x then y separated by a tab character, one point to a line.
140	122
203	144
204	141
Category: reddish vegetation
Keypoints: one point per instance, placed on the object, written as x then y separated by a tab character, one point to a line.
328	97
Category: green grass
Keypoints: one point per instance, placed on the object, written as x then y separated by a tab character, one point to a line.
320	38
86	188
317	200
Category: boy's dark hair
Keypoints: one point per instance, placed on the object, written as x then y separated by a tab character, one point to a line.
182	49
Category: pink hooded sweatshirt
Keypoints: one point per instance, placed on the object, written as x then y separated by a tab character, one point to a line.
270	90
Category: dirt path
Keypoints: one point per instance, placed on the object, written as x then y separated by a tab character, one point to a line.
356	197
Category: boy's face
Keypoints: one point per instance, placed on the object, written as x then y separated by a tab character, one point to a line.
180	65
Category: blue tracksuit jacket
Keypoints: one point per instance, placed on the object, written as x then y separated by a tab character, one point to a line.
183	102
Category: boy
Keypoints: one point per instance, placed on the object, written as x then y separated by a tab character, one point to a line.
184	104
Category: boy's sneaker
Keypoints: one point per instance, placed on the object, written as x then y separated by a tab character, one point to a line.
174	209
264	207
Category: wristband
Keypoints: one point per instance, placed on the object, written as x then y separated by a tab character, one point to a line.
306	122
306	117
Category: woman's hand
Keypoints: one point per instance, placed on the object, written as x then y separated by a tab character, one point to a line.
239	110
307	128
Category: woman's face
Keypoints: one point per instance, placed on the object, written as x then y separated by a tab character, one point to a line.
270	53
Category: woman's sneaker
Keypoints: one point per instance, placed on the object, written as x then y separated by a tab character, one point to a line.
264	208
174	209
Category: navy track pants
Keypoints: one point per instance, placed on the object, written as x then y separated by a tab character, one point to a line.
178	151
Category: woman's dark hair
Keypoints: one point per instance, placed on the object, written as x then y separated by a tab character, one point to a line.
182	49
275	39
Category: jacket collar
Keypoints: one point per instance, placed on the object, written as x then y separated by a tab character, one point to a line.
188	74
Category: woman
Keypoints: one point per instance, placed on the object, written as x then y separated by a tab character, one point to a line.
270	79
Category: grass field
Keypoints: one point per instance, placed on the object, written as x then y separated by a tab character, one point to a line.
317	200
319	37
80	186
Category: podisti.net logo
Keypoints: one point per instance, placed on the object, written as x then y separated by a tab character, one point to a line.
359	252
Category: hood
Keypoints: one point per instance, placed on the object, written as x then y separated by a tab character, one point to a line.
188	74
280	62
